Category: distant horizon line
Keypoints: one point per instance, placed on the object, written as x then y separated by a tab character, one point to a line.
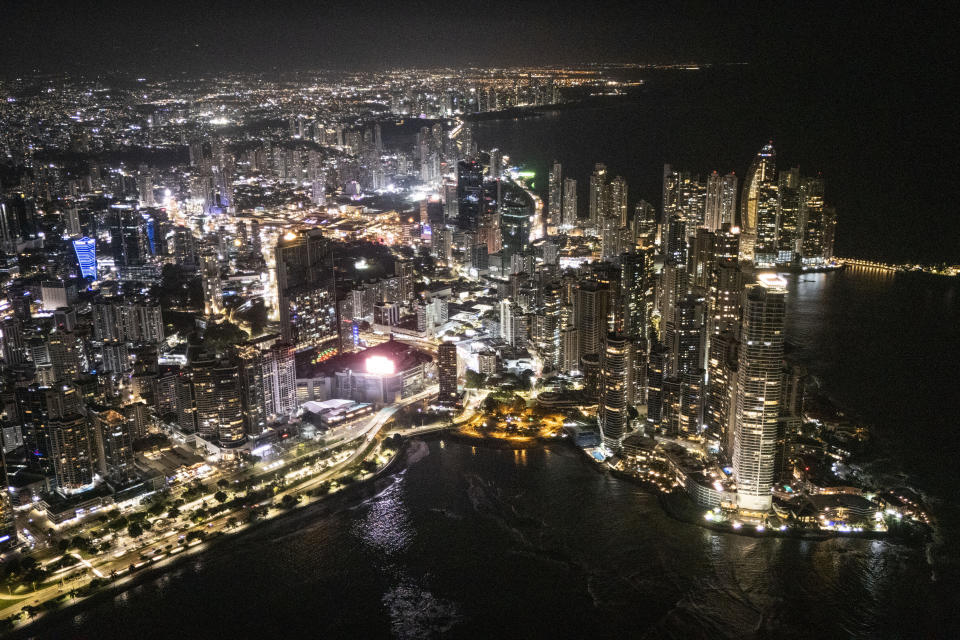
687	65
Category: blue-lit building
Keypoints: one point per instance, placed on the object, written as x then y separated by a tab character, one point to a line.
86	250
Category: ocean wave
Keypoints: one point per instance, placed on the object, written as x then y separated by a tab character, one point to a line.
415	612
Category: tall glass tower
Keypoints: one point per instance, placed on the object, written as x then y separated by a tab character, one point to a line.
758	390
613	396
554	200
761	172
86	250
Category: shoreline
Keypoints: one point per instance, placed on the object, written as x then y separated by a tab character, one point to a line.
490	442
344	499
672	504
676	504
530	111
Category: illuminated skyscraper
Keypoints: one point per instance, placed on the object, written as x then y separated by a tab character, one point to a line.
592	308
700	261
72	221
675	239
513	325
67	355
617	207
212	285
718	414
598	196
550	336
554	199
569	203
726	292
685	335
721	200
673	285
684	196
829	231
569	349
305	289
8	526
637	289
761	171
86	251
788	216
613	219
11	334
447	371
656	360
766	246
145	189
208	398
71	450
644	224
812	222
113	443
759	390
671	191
612	413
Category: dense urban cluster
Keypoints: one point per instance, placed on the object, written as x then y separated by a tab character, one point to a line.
223	279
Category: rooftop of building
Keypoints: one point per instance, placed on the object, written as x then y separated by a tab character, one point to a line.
403	357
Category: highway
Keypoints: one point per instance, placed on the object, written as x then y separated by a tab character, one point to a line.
149	548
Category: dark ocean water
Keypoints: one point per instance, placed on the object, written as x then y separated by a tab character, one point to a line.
873	152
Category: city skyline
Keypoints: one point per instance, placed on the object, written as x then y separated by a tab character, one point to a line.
620	337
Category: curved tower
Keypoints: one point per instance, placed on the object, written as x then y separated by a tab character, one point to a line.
761	172
613	396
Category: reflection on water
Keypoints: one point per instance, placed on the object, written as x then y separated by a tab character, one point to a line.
385	525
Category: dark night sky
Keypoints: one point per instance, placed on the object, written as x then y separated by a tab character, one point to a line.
214	36
881	76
